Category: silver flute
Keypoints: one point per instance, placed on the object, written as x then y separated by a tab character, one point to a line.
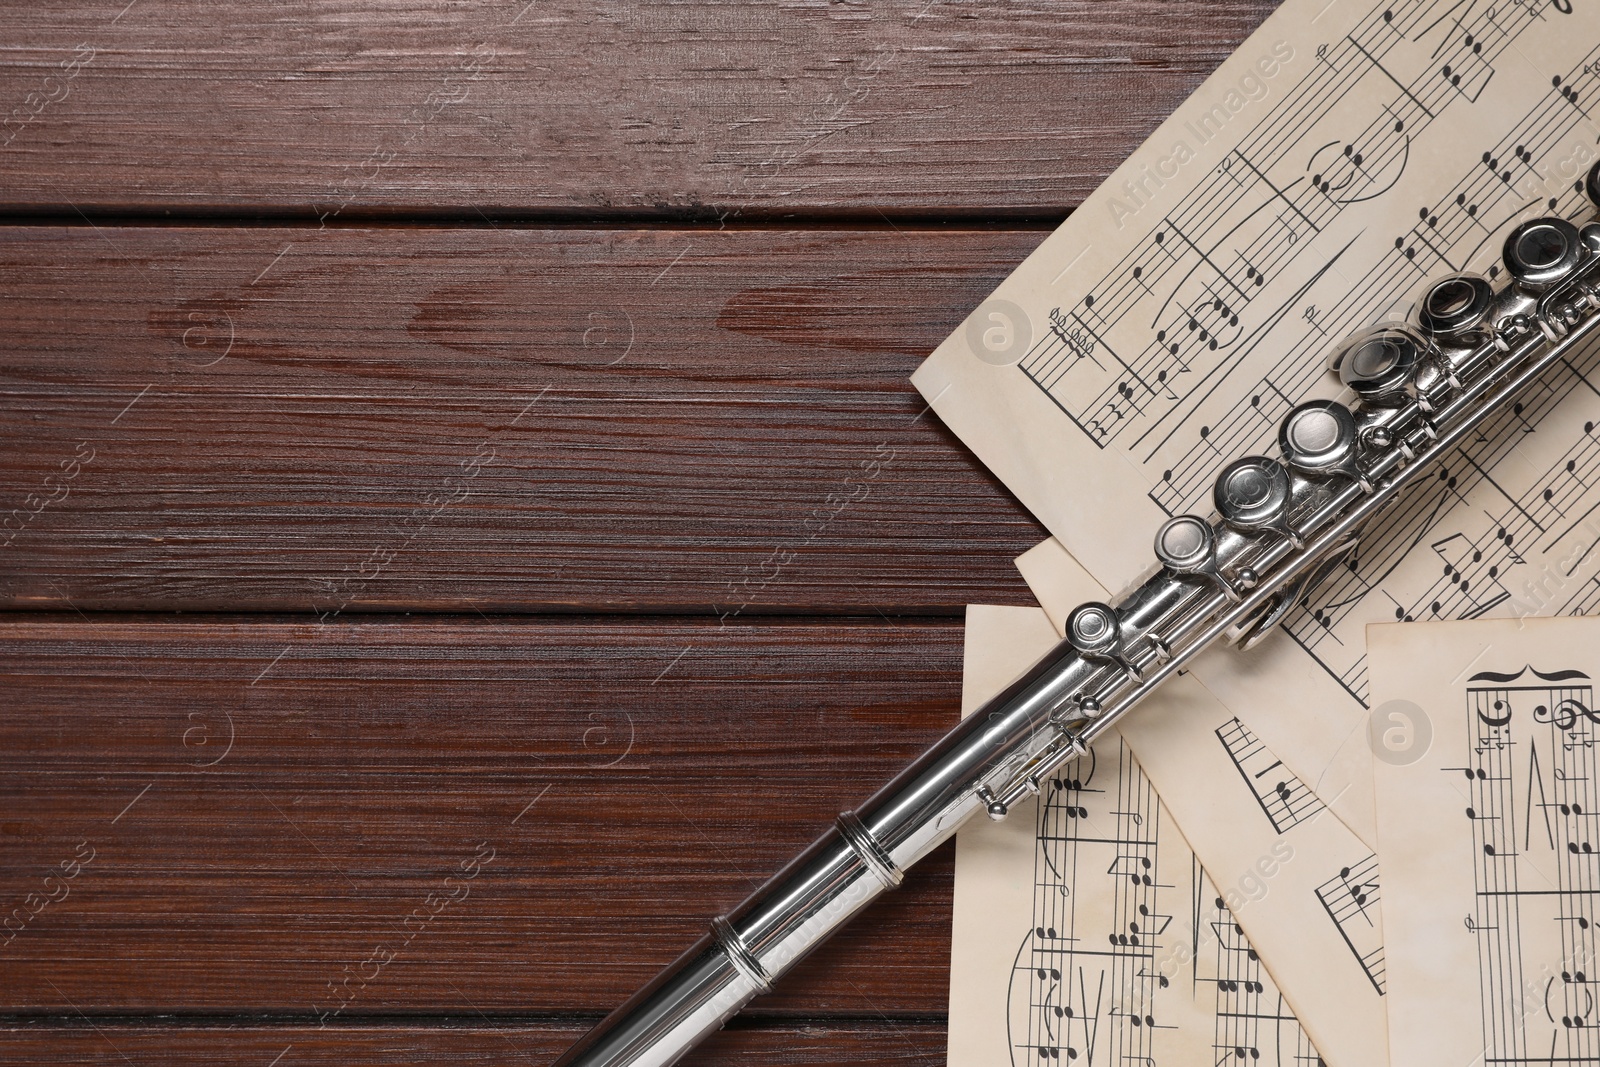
1283	523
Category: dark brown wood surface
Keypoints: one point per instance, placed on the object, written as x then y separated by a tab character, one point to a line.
473	442
298	790
701	109
493	420
467	1041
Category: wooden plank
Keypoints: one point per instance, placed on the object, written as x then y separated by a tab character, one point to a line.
397	419
382	816
699	109
467	1043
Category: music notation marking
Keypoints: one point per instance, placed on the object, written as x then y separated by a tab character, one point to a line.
1351	900
1120	961
1525	927
1284	798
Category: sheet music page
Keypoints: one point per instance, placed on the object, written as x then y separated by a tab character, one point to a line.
1307	885
1085	930
1312	733
1487	833
1343	157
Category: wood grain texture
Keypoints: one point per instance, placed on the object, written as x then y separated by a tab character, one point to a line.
514	420
755	108
472	1044
516	426
251	816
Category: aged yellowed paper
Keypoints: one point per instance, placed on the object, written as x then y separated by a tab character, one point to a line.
1489	836
1085	930
1273	688
1348	153
1316	921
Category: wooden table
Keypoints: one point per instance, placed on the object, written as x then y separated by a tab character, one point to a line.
466	518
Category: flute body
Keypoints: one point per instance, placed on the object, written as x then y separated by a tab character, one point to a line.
1282	524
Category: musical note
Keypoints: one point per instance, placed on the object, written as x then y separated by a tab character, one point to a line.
1507	747
1349	898
1106	973
1518	709
1276	225
1284	799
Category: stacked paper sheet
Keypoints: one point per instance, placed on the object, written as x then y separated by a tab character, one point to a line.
1346	155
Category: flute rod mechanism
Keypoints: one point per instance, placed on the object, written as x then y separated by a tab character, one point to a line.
1471	349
